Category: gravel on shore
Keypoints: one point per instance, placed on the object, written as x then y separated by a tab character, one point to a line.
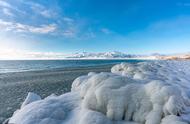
15	86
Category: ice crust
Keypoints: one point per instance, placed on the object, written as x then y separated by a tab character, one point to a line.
144	93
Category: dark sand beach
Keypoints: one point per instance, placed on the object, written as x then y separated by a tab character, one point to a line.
15	86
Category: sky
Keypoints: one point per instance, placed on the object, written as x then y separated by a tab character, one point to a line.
70	26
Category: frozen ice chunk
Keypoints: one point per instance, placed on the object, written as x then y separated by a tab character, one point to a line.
31	97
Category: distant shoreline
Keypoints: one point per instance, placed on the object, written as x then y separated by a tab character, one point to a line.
80	59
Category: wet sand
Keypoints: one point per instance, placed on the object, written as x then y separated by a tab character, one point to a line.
15	86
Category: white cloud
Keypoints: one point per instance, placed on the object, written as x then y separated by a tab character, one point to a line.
18	27
106	31
46	13
68	20
4	4
7	12
5	25
9	9
5	8
42	10
43	29
69	33
63	25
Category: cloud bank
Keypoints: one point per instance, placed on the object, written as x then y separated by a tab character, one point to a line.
18	27
16	54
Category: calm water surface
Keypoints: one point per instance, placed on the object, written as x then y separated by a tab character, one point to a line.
32	65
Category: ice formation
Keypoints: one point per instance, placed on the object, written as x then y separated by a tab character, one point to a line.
31	97
141	93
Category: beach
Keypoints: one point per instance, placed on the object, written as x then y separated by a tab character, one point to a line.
149	92
15	86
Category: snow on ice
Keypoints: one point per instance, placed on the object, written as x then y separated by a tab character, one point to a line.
156	92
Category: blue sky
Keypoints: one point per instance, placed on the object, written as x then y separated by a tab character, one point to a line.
69	26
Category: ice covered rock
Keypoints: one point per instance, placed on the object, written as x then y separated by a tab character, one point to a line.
141	93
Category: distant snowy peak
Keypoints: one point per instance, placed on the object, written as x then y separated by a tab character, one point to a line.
105	55
120	55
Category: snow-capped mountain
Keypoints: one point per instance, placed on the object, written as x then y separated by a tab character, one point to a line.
102	55
120	55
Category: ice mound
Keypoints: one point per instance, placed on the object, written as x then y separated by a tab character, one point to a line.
121	98
142	93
